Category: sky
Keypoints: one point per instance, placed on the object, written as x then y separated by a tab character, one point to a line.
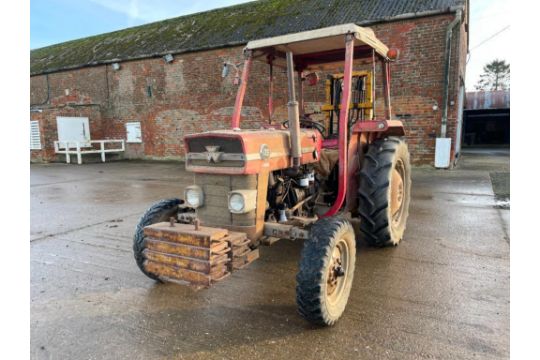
55	21
487	18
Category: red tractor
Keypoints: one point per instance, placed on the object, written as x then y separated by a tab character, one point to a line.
301	178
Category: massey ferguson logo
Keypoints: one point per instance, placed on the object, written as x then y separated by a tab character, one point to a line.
213	155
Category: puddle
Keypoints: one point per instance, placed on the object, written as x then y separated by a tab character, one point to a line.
502	203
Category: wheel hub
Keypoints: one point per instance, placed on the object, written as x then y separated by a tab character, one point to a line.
336	272
396	193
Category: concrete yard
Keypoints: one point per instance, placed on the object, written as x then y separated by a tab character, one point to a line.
443	293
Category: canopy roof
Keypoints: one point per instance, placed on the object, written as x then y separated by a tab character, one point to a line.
319	46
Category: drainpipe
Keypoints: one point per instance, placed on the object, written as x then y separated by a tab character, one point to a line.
447	56
443	145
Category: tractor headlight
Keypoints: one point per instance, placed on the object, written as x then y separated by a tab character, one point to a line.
236	203
242	201
194	196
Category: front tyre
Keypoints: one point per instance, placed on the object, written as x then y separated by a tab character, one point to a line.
159	212
325	277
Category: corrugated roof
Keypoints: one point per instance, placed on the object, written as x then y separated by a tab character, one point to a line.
486	100
228	26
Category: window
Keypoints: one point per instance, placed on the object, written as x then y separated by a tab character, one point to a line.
35	137
133	132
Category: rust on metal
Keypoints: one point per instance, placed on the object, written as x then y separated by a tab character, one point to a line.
178	249
487	100
240	262
196	257
185	234
192	277
285	231
185	262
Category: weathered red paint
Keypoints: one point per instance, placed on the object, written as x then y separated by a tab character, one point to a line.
386	75
271	91
278	142
343	128
235	123
393	127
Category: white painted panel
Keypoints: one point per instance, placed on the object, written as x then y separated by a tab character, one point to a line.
35	137
73	129
442	152
133	132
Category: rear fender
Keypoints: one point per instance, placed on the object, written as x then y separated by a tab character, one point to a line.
384	127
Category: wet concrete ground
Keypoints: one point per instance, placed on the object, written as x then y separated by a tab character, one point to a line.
442	294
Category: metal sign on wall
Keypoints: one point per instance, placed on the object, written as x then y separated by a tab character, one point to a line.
133	132
73	129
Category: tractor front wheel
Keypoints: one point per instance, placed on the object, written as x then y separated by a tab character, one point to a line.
160	211
384	193
326	271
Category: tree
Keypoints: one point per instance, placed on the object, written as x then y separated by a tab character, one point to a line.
496	76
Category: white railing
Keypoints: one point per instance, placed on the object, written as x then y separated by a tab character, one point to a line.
81	148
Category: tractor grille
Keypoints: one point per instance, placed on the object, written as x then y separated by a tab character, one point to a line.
216	188
230	148
227	145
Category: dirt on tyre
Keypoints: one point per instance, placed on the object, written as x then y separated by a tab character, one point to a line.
158	212
326	272
384	192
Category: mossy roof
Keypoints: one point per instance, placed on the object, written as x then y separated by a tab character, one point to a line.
234	25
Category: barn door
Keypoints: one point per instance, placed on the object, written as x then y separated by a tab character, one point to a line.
73	129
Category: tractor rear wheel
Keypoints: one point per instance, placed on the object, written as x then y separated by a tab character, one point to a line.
384	193
325	277
160	211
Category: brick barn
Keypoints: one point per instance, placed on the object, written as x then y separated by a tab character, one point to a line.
155	83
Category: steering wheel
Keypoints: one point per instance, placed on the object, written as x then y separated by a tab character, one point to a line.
307	123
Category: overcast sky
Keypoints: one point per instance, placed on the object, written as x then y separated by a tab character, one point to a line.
488	17
54	21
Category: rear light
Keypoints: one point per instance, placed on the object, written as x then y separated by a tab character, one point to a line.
392	53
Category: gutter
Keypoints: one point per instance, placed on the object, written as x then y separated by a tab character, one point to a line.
447	56
412	15
406	16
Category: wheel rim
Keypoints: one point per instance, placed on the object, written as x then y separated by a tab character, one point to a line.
337	271
397	192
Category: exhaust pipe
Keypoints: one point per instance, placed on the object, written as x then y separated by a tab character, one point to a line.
294	114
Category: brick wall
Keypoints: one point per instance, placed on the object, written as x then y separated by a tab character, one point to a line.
189	95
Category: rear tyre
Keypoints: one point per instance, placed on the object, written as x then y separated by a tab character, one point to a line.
160	211
384	192
325	277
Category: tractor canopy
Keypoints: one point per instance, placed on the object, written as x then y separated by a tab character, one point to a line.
320	46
